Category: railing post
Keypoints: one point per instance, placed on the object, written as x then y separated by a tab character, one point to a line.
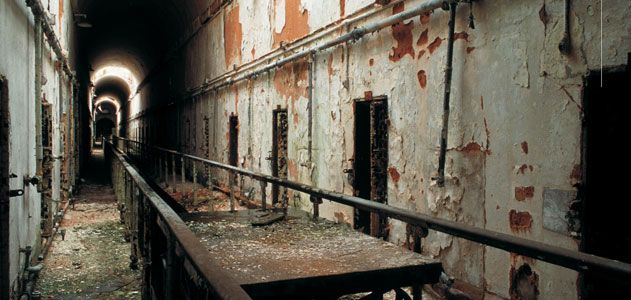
418	232
159	168
316	206
168	278
166	169
263	195
173	167
182	173
231	183
194	181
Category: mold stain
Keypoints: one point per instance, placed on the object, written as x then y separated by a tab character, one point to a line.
434	45
522	193
422	78
296	23
402	34
519	221
233	36
290	80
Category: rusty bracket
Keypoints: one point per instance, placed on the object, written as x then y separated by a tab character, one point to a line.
316	206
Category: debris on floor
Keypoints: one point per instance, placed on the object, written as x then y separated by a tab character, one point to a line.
92	260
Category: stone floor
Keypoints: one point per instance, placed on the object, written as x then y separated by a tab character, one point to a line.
91	260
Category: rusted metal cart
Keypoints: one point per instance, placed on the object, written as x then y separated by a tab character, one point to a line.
299	258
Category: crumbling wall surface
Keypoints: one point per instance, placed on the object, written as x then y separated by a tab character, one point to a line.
17	64
514	130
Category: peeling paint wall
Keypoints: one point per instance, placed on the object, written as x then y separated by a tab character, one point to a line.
17	64
515	121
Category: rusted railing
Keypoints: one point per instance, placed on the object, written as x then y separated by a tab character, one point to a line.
175	263
579	261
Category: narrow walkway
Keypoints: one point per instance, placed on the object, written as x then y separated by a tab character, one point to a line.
91	260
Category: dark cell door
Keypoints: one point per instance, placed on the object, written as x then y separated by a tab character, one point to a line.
233	145
606	206
279	153
371	162
4	189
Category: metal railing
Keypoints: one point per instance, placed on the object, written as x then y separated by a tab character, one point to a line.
571	259
175	263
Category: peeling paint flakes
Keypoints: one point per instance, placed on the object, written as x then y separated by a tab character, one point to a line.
470	49
523	193
520	221
296	23
423	39
402	33
434	45
422	78
342	8
394	174
233	36
425	18
290	80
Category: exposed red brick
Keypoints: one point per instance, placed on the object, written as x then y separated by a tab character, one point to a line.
524	147
402	34
422	78
434	45
423	39
524	192
519	221
296	23
233	36
394	174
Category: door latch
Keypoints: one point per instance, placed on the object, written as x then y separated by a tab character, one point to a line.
15	193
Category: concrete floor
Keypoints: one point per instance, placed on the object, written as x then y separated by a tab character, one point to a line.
92	260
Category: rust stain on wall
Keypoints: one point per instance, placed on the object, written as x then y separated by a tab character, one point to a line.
425	18
422	78
342	8
577	174
233	36
434	45
470	49
524	192
461	36
60	14
329	67
290	80
402	34
473	148
253	52
292	168
371	62
296	23
523	168
421	53
423	39
519	221
340	217
394	174
524	147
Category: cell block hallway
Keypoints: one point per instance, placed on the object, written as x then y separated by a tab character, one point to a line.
303	149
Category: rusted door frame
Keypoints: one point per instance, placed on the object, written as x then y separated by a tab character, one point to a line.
377	222
275	157
4	189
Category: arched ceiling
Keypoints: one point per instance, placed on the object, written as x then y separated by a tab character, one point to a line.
114	87
135	34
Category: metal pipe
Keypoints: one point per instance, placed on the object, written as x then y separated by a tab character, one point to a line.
312	73
353	35
39	12
440	180
570	259
39	43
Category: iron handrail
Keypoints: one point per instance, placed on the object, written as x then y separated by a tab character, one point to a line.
222	285
567	258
